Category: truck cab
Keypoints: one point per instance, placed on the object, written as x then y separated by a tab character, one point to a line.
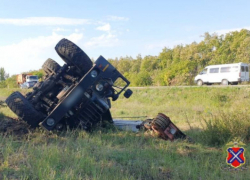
30	78
22	78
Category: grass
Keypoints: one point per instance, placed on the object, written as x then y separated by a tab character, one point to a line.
211	116
181	104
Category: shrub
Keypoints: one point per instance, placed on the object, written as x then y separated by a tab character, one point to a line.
3	84
223	127
143	79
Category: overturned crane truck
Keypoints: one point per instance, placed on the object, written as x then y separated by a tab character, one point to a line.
76	94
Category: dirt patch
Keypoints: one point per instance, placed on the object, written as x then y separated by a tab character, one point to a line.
11	126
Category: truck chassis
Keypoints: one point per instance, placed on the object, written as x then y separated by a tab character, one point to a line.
75	95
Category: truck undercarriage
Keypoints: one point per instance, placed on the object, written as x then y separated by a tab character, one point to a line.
76	95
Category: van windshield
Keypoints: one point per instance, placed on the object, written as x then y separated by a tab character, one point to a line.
204	71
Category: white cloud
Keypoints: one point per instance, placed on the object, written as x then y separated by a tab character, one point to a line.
105	27
60	30
117	18
224	31
30	54
105	40
44	21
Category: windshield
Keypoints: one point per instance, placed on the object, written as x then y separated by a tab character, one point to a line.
33	77
204	71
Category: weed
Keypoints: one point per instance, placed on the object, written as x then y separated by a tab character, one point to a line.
223	126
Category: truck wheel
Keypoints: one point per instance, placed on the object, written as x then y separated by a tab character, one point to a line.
50	67
73	56
161	121
224	82
199	83
24	109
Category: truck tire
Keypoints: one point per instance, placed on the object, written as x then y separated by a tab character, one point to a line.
199	82
24	109
161	121
50	67
74	56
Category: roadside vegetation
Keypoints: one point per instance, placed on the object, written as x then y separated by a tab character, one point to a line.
210	116
179	65
173	66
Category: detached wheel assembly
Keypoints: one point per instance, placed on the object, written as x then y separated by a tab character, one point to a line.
161	121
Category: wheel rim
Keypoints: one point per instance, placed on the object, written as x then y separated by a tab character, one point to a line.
224	82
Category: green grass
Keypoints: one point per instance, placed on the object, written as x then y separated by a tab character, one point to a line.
181	104
113	155
216	116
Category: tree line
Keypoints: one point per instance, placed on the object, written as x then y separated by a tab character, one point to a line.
174	66
179	65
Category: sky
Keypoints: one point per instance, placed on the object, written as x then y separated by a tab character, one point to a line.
30	29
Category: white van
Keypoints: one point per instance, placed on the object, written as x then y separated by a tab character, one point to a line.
224	74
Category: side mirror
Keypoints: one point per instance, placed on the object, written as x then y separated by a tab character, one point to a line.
128	93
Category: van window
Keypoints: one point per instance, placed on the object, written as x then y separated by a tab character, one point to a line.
242	69
225	69
234	69
204	71
246	68
214	70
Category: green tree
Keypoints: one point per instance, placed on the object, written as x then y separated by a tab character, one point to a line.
143	79
2	74
11	82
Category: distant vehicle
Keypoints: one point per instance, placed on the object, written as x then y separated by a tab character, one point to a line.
224	74
27	85
22	78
